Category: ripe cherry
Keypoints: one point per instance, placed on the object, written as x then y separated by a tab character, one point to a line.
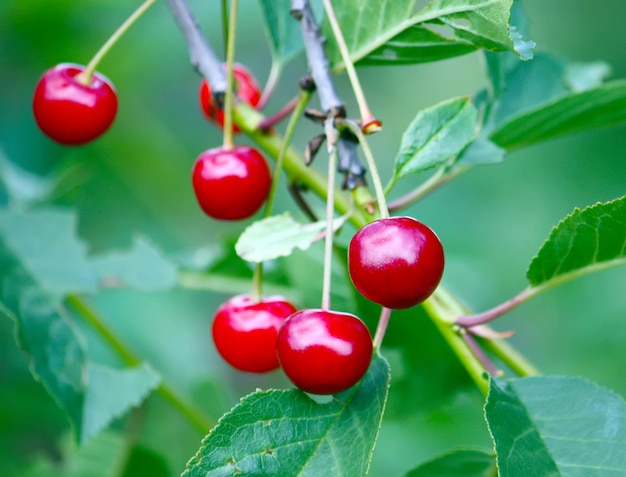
231	184
396	262
70	112
245	330
324	352
247	90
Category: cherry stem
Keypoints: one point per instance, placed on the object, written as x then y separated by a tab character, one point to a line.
328	240
371	164
187	410
439	178
85	76
480	354
287	109
381	329
230	77
366	116
270	84
468	321
300	104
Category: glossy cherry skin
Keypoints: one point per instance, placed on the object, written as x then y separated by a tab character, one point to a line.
72	113
231	184
245	330
324	352
246	87
396	262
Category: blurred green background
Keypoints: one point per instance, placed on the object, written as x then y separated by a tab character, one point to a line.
136	181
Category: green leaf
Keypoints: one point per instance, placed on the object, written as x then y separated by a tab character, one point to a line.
458	463
434	136
287	433
598	107
110	392
553	425
143	267
45	242
585	241
282	29
394	31
278	236
40	261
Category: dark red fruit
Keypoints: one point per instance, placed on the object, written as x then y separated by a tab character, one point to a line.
324	352
396	262
70	112
245	330
246	87
231	184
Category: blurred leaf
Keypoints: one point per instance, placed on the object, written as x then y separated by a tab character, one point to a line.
287	433
395	31
458	463
45	242
599	107
143	267
553	425
282	29
23	187
585	241
278	236
143	461
33	279
109	393
434	136
481	151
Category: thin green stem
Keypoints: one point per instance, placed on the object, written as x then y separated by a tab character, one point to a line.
270	84
85	76
225	28
442	309
371	164
381	329
328	240
230	77
511	357
194	416
366	114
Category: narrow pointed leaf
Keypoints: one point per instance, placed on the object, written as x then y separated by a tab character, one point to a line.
591	109
395	31
557	426
435	135
278	236
585	241
287	433
458	463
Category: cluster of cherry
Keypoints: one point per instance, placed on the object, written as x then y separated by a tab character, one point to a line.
396	262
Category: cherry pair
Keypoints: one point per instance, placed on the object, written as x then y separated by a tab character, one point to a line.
320	351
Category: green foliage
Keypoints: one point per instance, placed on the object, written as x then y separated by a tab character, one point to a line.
278	236
392	32
458	463
556	425
436	135
287	433
133	183
585	241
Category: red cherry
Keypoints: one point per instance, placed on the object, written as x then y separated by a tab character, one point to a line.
247	90
245	330
70	112
231	184
324	352
396	262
